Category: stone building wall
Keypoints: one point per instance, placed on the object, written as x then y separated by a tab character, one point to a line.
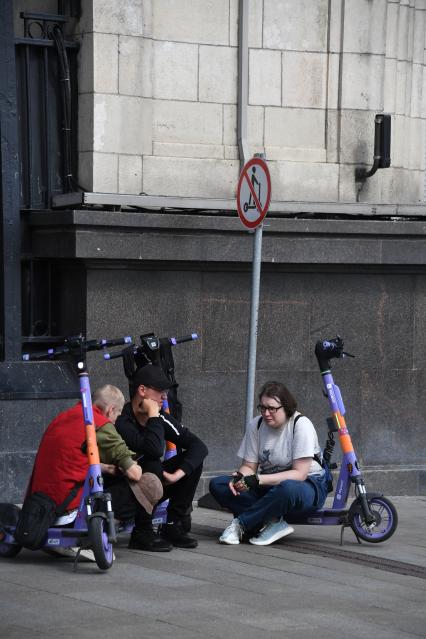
158	96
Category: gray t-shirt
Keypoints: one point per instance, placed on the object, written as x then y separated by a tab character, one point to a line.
274	449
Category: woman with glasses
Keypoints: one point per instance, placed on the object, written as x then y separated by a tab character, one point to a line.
278	473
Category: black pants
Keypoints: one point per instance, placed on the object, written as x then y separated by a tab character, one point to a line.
181	494
124	503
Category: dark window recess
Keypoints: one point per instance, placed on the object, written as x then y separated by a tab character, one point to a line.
53	302
46	68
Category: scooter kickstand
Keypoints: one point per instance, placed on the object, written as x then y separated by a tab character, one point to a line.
76	560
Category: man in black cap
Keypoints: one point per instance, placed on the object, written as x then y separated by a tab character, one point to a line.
145	428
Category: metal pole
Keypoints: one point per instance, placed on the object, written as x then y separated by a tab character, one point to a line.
254	315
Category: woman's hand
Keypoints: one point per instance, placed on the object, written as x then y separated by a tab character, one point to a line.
235	485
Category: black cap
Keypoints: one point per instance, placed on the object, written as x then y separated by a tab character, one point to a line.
151	375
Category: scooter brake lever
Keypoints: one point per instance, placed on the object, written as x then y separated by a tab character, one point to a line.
347	355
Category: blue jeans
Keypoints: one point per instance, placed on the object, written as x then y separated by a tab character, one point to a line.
255	507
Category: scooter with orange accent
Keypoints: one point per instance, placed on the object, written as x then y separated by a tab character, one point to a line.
371	516
94	526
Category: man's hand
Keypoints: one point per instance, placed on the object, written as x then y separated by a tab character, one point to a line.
150	407
172	478
110	469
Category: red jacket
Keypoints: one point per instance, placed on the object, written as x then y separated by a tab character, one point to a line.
60	462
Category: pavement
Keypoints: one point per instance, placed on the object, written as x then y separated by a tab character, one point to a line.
303	586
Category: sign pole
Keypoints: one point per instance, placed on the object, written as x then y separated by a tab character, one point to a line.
253	198
254	317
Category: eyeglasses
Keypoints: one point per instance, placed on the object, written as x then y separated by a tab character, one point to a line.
271	409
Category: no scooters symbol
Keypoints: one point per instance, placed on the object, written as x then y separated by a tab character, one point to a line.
253	192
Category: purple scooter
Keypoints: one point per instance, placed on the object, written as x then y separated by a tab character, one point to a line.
371	516
94	525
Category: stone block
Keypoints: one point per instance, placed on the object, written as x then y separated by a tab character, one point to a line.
118	16
105	172
419	36
400	138
295	128
85	170
392	480
231	152
402	51
187	122
402	251
176	149
362	82
365	26
255	125
392	30
189	177
255	23
105	54
85	64
304	181
416	155
335	26
203	22
423	115
265	77
221	432
419	328
135	61
333	81
217	74
300	26
356	137
304	79
389	86
130	289
332	128
401	87
85	122
129	174
390	433
122	124
175	71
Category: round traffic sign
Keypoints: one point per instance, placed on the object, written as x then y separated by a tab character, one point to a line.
253	192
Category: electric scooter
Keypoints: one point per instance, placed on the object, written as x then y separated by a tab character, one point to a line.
94	525
154	350
372	517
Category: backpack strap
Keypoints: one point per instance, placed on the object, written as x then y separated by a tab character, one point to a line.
259	421
316	457
59	510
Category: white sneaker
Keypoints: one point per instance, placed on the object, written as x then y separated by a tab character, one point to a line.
273	531
233	533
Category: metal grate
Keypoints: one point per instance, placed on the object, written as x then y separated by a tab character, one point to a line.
47	116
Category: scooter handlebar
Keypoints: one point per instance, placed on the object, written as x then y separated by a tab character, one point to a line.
185	338
172	340
74	344
325	350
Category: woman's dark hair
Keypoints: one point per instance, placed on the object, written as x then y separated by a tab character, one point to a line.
279	391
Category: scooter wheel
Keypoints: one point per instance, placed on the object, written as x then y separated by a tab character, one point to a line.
102	548
385	525
9	550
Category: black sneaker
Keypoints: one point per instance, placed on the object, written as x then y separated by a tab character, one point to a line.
174	532
148	540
